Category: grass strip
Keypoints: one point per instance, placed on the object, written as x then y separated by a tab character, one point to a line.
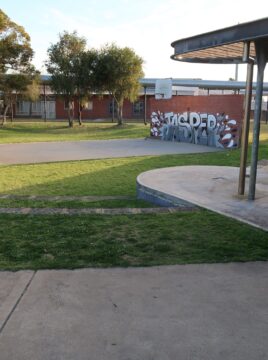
20	132
58	241
10	203
101	177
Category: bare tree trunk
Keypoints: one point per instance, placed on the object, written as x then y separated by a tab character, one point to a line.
5	114
31	109
80	117
45	103
113	102
12	112
119	115
70	114
80	108
72	109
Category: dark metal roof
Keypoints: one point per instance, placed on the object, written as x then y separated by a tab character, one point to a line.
224	46
247	43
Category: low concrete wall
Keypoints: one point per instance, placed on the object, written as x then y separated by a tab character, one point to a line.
159	198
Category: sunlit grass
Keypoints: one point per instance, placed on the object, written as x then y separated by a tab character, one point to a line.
263	132
102	177
97	177
18	132
38	242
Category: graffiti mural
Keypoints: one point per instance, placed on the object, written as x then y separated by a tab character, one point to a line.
197	128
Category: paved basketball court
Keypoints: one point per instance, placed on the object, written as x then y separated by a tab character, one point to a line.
97	149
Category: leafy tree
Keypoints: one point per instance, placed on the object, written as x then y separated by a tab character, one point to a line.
85	68
118	72
17	75
13	85
15	50
64	57
32	91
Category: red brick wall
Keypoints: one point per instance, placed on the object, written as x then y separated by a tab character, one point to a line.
231	105
60	112
101	109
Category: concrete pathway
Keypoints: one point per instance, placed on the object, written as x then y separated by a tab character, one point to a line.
211	187
194	312
97	149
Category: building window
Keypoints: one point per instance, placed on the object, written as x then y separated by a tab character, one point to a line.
19	107
36	107
23	107
88	105
66	104
138	108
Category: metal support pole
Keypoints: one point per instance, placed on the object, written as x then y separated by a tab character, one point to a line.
246	121
236	72
261	62
145	105
45	103
245	130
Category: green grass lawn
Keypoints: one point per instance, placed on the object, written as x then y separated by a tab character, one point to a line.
43	242
18	132
96	177
33	242
101	177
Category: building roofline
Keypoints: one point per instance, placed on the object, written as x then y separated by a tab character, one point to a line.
202	84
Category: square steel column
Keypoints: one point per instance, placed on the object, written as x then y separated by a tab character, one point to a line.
261	57
246	121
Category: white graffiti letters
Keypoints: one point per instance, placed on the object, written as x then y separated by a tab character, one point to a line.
199	128
194	120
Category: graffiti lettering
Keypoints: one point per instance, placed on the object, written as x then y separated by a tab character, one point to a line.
198	128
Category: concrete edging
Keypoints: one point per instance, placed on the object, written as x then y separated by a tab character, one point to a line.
160	198
216	191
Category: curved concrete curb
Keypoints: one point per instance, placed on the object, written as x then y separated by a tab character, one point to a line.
210	187
159	197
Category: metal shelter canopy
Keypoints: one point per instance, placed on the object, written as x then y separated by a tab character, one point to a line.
242	43
224	46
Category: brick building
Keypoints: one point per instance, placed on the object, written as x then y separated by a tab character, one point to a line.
102	108
196	95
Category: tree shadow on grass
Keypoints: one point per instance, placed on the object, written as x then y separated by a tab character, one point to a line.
97	177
